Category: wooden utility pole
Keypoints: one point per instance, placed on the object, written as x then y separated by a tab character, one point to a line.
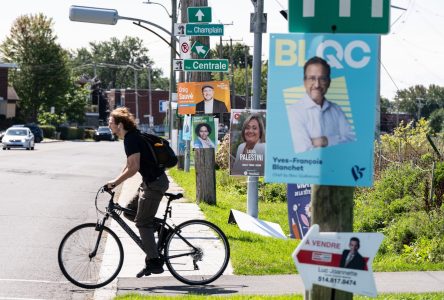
204	161
332	210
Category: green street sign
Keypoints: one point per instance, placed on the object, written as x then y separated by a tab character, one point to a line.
205	65
199	14
339	16
200	49
204	29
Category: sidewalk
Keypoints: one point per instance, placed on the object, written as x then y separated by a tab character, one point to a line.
165	284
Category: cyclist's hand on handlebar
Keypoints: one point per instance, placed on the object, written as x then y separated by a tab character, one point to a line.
109	186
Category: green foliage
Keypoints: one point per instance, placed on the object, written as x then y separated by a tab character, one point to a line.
239	53
240	80
438	183
48	130
437	120
47	118
385	105
109	61
273	192
42	78
89	134
397	296
71	133
399	191
76	101
408	143
430	99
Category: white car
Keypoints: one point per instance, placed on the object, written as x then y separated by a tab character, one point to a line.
18	137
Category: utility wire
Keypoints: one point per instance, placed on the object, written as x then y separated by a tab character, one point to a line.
390	76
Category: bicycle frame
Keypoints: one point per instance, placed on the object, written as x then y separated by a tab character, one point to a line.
113	210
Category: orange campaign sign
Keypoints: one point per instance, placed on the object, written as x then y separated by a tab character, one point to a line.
205	97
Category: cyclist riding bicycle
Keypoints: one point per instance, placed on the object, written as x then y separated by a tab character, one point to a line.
155	183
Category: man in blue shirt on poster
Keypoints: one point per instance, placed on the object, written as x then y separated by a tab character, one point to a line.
314	121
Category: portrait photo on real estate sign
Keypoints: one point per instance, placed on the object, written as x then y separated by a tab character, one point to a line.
321	102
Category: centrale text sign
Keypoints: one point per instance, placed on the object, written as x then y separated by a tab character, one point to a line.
206	65
204	29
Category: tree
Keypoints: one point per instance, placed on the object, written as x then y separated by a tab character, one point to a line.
42	78
239	80
385	105
419	100
238	53
437	120
109	61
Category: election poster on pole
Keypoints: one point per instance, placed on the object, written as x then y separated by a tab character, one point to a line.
321	103
205	97
204	132
247	142
299	209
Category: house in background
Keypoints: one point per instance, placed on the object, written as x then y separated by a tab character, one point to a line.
8	96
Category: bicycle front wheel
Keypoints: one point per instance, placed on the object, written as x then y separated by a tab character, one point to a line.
90	258
197	252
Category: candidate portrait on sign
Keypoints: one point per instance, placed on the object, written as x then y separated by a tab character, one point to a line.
210	105
249	159
315	121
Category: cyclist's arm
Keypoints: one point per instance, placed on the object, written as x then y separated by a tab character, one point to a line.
131	168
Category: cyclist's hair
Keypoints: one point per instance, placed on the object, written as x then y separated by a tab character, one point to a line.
123	115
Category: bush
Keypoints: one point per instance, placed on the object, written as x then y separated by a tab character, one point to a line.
89	133
48	131
273	192
399	192
71	133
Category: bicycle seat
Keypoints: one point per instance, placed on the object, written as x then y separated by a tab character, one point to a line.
173	196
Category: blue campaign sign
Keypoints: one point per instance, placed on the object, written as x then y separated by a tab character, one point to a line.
299	209
321	124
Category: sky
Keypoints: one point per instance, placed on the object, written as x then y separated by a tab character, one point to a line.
412	53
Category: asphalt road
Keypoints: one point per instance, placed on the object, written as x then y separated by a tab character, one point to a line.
43	194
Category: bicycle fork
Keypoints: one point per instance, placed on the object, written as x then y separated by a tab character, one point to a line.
99	228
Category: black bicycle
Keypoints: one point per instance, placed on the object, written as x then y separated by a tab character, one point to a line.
196	252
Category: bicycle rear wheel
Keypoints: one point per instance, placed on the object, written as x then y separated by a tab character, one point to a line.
197	252
80	266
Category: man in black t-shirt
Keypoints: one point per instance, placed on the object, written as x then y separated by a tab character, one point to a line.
155	183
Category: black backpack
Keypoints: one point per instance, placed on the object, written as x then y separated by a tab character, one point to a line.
160	149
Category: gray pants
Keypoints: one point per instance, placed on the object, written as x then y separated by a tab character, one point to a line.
146	202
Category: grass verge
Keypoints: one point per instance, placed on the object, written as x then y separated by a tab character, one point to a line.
407	296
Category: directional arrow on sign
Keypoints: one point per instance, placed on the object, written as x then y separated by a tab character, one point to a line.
200	49
199	14
328	259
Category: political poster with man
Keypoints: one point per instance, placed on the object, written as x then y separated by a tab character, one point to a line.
322	92
207	97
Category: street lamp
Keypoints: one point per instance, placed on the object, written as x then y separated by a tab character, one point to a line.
103	16
111	16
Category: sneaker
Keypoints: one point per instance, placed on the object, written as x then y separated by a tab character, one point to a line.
153	266
143	272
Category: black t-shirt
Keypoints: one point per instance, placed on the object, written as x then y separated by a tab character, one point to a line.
134	144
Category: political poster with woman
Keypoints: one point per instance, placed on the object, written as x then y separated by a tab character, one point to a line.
247	142
204	135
